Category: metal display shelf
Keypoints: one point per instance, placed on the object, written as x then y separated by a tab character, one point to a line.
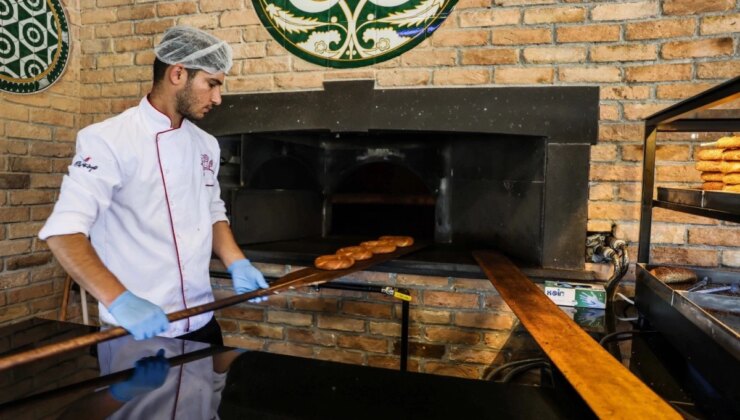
695	114
715	204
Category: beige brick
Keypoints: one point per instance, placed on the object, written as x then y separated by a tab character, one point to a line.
32	100
65	135
639	52
40	213
522	2
677	173
231	35
132	44
250	84
658	73
96	46
340	356
114	60
456	370
13	313
710	25
599	226
601	192
118	90
428	316
256	33
588	33
472	4
488	56
685	256
10	280
140	12
349	74
525	75
462	77
98	16
14	112
603	152
660	29
9	147
554	15
266	65
589	74
670	216
490	17
485	320
177	9
66	104
145	58
621	132
46	181
299	80
613	211
153	26
667	234
641	111
219	5
290	318
96	76
290	349
113	30
730	258
28	131
692	7
519	36
199	21
460	38
261	330
702	48
60	150
715	236
108	3
370	344
554	54
608	112
718	69
626	11
434	58
629	191
403	77
239	18
614	172
681	90
52	117
340	323
663	152
450	299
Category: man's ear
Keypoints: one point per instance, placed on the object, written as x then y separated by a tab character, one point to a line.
177	74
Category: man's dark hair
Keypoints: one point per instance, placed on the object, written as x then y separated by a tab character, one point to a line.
160	68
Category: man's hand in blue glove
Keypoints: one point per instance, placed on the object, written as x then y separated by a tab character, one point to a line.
138	316
246	278
149	374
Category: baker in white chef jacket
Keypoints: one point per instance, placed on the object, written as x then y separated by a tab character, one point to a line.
142	187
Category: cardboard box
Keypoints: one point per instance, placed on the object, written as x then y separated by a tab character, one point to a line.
580	295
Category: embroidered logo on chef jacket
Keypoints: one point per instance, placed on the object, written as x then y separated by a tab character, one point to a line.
209	176
85	163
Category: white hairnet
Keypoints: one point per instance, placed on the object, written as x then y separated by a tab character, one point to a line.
194	49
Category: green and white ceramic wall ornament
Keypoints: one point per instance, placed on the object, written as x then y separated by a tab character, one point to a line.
351	33
34	44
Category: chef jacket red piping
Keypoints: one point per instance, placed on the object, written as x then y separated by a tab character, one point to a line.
172	226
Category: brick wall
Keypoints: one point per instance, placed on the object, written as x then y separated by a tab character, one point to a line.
645	55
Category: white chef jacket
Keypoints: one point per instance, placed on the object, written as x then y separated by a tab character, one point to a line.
147	196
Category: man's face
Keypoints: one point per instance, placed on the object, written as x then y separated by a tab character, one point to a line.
201	93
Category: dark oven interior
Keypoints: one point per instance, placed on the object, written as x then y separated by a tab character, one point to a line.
453	177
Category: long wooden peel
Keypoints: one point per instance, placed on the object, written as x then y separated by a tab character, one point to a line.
602	381
304	277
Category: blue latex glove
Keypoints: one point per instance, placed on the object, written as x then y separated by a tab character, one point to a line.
149	374
246	278
138	316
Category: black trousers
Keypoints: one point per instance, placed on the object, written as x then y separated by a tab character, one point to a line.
209	333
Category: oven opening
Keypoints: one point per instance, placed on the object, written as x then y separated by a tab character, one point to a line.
382	198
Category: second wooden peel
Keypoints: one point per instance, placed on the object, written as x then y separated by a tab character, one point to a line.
304	277
609	389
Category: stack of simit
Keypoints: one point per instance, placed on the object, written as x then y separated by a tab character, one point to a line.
720	165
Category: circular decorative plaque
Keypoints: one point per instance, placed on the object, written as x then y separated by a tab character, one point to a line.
351	33
34	44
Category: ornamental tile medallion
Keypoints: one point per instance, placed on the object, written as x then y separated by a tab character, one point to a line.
351	33
34	44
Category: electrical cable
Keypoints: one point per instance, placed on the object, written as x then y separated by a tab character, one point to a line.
616	334
524	368
492	374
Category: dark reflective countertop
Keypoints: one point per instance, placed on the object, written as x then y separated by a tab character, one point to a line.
195	380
